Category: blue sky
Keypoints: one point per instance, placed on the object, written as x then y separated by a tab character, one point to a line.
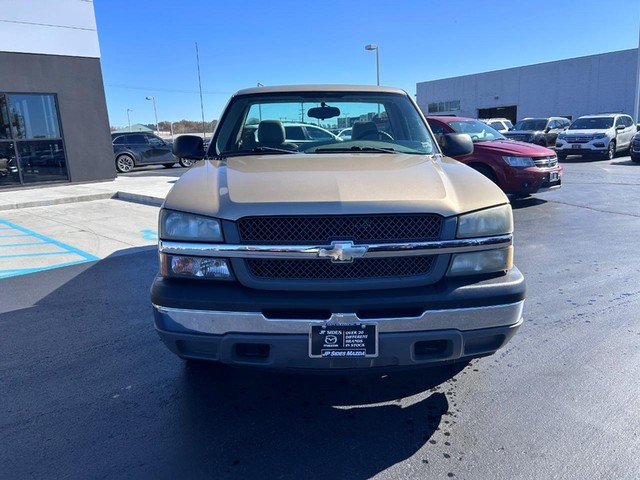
148	48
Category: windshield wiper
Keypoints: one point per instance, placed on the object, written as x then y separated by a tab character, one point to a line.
355	148
273	149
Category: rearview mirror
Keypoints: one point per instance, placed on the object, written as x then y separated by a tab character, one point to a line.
323	112
189	146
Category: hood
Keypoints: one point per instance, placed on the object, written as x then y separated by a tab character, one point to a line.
511	147
314	184
586	132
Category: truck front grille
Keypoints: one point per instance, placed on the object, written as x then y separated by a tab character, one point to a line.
364	268
321	230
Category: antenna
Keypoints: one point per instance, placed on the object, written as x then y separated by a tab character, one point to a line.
204	130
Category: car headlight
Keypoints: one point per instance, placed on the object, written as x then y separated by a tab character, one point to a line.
175	225
476	263
483	223
519	161
599	135
562	136
195	267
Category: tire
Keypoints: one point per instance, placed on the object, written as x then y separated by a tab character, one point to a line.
124	163
168	165
611	150
186	162
562	156
543	143
635	159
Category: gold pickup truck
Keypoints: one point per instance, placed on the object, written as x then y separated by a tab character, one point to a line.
374	252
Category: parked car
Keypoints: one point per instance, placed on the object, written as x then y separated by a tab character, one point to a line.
345	134
516	167
377	252
597	135
634	151
501	125
541	131
138	149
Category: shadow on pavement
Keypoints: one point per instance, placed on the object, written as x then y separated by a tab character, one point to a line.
89	391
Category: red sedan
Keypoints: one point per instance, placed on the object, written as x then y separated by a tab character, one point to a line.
518	168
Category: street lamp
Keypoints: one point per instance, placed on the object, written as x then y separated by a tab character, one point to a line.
129	118
155	113
371	46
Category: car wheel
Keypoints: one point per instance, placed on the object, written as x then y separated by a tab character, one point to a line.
635	159
542	143
168	165
611	150
562	156
186	162
124	163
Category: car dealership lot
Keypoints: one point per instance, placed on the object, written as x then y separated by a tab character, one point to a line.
88	390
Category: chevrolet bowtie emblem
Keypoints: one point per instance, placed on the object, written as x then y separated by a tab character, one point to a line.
342	252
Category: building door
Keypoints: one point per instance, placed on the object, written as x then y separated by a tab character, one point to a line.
31	146
510	112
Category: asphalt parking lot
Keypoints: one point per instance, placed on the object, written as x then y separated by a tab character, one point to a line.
89	391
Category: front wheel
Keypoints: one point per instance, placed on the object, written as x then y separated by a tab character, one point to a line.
167	165
186	162
124	163
611	150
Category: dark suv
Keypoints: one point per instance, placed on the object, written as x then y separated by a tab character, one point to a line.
136	149
541	131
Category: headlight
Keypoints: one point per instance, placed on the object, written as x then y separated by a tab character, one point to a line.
519	161
186	226
600	135
492	221
562	136
475	263
195	267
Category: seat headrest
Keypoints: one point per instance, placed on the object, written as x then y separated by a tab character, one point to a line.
271	132
363	129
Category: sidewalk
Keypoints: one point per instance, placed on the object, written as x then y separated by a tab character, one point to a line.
149	190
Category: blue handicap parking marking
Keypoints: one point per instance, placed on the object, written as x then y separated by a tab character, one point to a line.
23	251
149	234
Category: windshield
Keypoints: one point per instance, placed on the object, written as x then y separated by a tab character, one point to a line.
592	123
284	122
531	124
480	132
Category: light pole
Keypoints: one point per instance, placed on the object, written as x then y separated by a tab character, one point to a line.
129	118
155	113
372	46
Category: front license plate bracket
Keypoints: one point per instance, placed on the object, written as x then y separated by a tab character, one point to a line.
343	340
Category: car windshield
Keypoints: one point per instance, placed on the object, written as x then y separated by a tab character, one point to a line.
479	132
592	123
531	124
288	122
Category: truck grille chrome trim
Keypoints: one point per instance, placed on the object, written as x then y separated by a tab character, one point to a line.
316	251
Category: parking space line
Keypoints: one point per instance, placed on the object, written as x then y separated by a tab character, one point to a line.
45	262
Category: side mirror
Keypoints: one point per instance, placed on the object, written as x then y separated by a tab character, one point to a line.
547	129
456	144
189	146
620	127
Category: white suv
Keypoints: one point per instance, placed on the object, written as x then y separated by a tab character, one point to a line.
602	135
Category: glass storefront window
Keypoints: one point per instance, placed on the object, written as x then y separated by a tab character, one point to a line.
30	140
34	116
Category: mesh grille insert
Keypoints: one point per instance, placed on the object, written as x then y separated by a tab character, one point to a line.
313	230
324	269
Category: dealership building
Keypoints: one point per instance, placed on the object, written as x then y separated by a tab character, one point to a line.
54	126
567	88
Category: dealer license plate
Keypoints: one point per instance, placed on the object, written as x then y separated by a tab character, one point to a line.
343	340
578	146
554	177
